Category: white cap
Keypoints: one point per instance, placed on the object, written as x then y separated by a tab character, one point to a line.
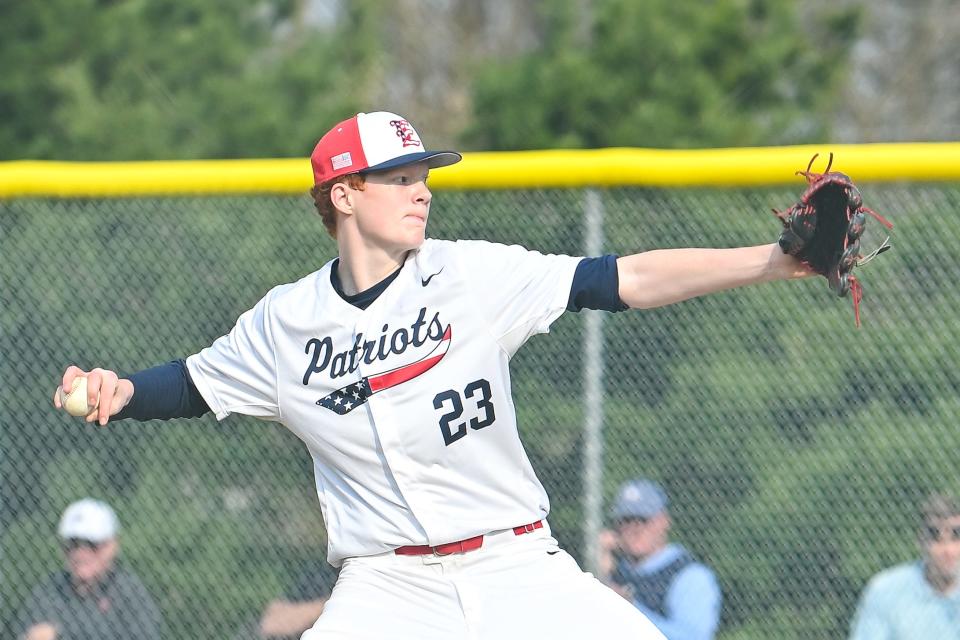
89	519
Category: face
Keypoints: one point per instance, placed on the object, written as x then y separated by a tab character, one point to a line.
640	538
941	544
391	210
88	561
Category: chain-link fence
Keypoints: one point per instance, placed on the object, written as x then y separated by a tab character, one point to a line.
795	447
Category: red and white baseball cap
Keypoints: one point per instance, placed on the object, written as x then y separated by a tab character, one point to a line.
372	142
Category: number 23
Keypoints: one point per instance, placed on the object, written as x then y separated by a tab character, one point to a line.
453	433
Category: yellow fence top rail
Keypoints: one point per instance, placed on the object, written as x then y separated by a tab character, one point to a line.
755	166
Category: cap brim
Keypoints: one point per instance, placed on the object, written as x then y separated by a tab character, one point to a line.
435	159
624	513
86	535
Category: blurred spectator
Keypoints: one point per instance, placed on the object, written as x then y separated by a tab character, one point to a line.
296	611
918	600
677	593
94	598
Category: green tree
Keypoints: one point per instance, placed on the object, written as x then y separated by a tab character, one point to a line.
173	79
661	73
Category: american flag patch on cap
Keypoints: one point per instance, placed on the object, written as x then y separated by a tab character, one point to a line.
341	161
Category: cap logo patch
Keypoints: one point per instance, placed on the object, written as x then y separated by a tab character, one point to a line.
406	133
342	160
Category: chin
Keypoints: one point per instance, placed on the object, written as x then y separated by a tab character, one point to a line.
414	241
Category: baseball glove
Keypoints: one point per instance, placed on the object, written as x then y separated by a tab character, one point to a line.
823	230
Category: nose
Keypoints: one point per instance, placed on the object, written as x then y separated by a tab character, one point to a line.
422	193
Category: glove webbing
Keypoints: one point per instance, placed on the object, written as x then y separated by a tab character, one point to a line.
853	284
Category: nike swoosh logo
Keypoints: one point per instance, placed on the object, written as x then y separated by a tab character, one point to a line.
427	281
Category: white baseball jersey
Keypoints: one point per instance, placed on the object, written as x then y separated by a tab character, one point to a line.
405	406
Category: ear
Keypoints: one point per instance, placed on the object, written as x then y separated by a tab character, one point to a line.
110	548
341	197
662	521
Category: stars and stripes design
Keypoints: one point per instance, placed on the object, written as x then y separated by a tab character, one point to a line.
348	398
344	400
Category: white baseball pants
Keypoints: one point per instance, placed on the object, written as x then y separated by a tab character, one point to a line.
512	587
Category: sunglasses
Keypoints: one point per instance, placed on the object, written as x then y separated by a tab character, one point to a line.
632	520
78	543
941	534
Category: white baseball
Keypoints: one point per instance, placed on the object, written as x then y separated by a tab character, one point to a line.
75	402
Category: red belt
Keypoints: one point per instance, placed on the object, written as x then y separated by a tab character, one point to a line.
460	546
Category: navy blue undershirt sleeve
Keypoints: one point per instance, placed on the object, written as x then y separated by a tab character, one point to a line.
596	285
163	392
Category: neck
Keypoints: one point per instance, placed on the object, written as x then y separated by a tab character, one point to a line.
360	270
941	583
84	587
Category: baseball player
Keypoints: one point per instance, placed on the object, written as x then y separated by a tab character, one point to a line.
391	363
